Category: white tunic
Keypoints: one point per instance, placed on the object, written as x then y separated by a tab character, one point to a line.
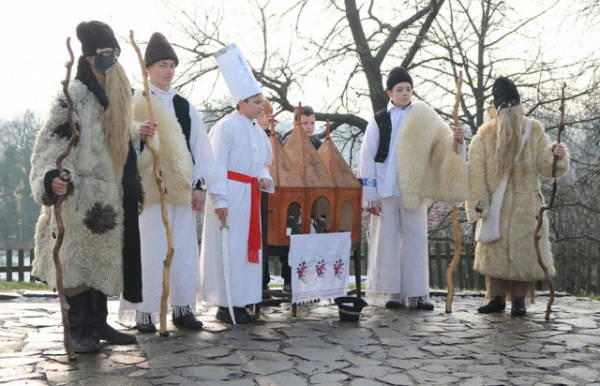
398	256
184	272
241	146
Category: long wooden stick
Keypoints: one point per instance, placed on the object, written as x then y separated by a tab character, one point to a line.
163	199
540	216
457	238
64	175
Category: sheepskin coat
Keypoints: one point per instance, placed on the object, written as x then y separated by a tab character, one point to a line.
175	158
428	168
512	257
93	248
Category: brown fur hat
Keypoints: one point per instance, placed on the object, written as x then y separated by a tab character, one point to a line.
94	35
158	48
504	90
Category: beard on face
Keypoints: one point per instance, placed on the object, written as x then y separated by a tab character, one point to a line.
118	115
508	144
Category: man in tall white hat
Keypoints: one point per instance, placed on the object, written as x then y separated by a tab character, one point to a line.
242	149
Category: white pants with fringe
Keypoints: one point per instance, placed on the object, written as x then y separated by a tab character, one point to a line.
398	267
184	278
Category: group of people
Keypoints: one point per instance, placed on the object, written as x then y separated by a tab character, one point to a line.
115	241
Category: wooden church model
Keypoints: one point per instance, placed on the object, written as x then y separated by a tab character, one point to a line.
315	191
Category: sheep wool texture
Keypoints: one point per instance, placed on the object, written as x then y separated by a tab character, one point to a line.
92	253
512	257
428	169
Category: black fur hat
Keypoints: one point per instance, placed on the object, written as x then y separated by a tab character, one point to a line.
504	90
398	75
94	35
158	48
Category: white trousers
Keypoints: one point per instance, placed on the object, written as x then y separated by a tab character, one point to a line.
184	278
398	266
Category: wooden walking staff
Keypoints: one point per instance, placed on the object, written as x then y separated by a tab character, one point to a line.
64	175
540	216
163	198
457	239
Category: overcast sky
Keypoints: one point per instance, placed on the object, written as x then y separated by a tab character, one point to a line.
33	35
33	38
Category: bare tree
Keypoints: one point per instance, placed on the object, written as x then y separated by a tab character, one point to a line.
358	39
18	210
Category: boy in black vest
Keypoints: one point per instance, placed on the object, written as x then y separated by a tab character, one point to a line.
399	173
187	165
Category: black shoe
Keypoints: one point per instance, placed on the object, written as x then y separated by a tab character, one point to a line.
223	315
188	320
111	335
497	304
518	307
243	310
424	305
393	304
145	328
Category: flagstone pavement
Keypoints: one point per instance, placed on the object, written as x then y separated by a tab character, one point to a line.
386	347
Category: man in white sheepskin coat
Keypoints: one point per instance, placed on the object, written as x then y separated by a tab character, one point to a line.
510	263
100	253
406	160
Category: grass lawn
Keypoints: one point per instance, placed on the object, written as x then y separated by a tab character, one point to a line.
16	285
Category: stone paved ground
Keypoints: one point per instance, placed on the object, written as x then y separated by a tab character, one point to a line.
386	347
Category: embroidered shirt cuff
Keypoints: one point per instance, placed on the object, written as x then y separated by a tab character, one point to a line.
369	182
198	184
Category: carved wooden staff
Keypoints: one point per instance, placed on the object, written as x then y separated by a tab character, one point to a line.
64	175
540	216
163	199
457	239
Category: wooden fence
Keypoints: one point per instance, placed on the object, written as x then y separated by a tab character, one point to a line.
577	267
20	268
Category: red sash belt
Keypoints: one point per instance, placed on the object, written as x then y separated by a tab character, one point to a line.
254	239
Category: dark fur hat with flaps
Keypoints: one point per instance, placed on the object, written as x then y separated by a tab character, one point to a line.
398	75
94	35
158	48
504	90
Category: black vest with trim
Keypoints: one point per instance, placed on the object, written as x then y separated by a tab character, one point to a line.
182	112
384	122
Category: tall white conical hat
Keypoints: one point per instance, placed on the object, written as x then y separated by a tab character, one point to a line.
237	73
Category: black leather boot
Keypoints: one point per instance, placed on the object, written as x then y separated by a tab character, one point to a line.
497	304
80	339
98	328
518	307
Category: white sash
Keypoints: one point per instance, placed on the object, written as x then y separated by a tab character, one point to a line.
488	228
